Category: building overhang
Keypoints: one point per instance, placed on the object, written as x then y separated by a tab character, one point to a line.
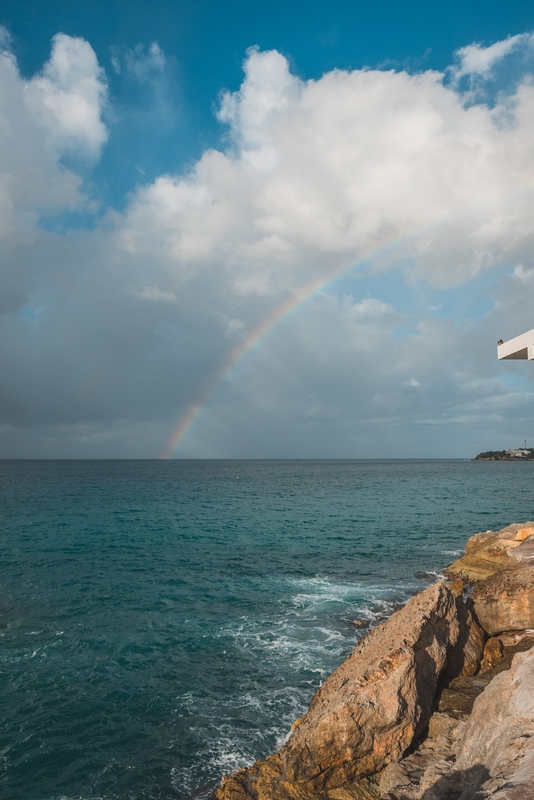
519	349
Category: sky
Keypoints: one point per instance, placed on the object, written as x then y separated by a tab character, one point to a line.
283	230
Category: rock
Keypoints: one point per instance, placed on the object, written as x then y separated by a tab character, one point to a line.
265	780
442	725
501	565
496	758
511	638
377	706
524	552
369	711
411	778
464	657
457	587
260	781
491	755
505	601
361	623
458	697
488	553
521	784
493	651
394	779
525	532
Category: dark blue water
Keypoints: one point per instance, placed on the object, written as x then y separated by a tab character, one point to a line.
164	622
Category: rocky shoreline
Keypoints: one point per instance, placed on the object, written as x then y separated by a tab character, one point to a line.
436	702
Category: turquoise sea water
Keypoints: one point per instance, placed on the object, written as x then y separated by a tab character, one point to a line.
162	623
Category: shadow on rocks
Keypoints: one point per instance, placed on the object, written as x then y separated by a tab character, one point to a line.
458	785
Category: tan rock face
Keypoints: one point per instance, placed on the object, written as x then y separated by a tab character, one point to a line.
488	553
487	756
370	709
505	601
499	739
351	743
525	532
501	565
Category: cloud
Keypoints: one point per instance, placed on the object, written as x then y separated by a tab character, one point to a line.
268	88
35	186
372	308
475	59
155	294
523	274
376	171
150	98
138	61
324	173
69	95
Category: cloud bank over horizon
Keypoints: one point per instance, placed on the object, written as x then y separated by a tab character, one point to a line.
407	198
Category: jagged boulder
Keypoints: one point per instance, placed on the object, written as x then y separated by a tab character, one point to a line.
490	552
496	758
505	601
501	566
368	712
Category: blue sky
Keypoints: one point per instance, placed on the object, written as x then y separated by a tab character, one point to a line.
173	173
205	42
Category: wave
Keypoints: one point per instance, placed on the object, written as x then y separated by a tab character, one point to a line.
293	647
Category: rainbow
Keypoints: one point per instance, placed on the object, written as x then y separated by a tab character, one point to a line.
295	303
257	337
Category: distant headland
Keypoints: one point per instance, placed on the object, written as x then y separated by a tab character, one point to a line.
519	454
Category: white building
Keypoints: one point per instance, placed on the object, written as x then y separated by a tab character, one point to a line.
520	348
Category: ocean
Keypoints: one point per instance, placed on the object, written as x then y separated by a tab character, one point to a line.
164	622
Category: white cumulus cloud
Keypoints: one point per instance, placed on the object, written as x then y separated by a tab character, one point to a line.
69	94
324	173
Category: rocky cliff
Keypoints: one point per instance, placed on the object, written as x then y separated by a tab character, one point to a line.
437	702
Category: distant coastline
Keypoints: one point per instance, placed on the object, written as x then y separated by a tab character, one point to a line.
513	454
